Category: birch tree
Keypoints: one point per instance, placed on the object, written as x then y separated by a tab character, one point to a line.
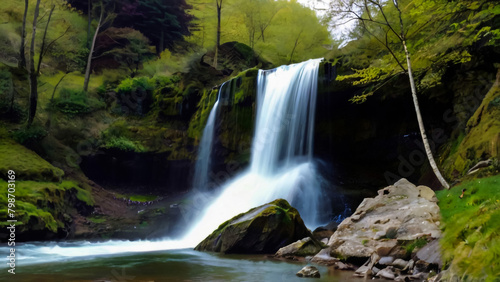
363	11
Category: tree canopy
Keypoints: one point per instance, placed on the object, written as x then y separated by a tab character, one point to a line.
280	31
164	22
438	33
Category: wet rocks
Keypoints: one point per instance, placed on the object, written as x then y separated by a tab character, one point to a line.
304	247
326	231
309	271
388	232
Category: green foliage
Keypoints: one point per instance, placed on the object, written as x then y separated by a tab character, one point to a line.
470	243
137	198
29	135
96	219
16	113
76	102
123	144
135	94
169	63
64	34
364	76
129	47
200	118
136	84
416	244
9	109
494	103
481	141
5	82
438	34
279	31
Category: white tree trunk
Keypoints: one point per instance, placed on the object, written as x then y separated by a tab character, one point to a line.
428	150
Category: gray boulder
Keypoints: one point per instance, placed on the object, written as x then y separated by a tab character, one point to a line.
400	213
301	248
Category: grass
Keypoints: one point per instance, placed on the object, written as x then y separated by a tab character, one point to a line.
96	219
471	229
416	244
137	198
26	163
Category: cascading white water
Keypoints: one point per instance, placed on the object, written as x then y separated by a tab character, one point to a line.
281	165
205	148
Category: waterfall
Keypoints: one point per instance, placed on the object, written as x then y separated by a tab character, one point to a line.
202	167
286	99
281	166
281	163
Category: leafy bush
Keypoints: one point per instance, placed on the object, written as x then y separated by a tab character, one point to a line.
135	95
167	64
123	144
29	135
76	102
134	84
8	110
16	113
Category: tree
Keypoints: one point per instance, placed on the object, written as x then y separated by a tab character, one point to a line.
362	11
32	74
125	46
259	14
294	34
89	59
89	21
219	11
163	22
44	47
22	56
270	27
35	72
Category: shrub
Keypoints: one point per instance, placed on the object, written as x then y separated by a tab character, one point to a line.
123	144
135	94
76	102
29	135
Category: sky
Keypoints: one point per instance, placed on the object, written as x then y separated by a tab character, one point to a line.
321	6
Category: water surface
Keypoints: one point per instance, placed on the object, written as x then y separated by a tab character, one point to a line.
169	265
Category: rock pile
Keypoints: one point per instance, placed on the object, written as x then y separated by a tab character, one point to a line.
392	236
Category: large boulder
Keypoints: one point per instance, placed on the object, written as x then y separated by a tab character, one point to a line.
387	224
263	229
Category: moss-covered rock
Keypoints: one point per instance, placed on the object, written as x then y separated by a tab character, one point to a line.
263	229
482	138
42	209
235	119
26	163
